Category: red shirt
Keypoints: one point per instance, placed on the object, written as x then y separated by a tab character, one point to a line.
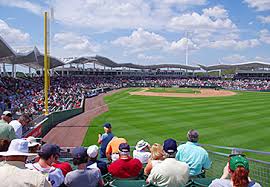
125	168
64	166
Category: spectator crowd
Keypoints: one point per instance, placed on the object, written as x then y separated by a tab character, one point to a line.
169	164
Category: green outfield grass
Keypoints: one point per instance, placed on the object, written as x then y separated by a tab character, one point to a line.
242	120
174	90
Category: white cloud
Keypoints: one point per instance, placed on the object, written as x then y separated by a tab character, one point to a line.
12	35
73	43
119	14
216	12
144	57
185	2
264	19
259	5
195	21
265	36
234	44
27	5
182	44
141	40
236	58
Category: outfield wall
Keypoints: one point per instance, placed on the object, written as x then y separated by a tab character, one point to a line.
51	120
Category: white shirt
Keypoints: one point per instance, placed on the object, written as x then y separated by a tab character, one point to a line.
14	173
17	128
54	175
143	156
169	173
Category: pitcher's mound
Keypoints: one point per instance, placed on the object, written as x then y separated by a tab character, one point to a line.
203	93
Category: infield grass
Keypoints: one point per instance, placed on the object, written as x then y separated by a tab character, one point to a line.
173	90
242	120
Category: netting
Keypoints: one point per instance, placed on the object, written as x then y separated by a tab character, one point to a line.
259	170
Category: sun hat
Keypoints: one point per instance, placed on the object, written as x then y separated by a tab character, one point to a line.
124	147
170	146
107	125
141	145
18	147
238	160
32	141
92	151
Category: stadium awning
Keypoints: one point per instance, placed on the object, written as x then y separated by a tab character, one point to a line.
5	50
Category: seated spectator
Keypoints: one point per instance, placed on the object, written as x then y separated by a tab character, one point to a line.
18	124
64	166
237	169
170	172
14	173
157	156
33	145
104	139
125	166
194	155
4	144
7	131
82	176
48	154
141	151
6	117
93	162
112	150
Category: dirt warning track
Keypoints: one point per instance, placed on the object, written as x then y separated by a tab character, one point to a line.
71	132
203	93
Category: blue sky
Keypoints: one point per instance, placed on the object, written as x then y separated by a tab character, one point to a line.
143	31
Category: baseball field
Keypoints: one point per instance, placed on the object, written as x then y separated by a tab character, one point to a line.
241	120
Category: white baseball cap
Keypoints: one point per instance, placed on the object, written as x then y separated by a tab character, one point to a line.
7	113
92	151
32	141
18	147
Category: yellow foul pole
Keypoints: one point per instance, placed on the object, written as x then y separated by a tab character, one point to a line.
46	80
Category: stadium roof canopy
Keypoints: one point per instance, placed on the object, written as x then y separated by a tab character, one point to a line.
103	61
243	66
33	59
5	49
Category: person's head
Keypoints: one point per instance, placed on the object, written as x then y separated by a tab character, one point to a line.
142	145
17	151
170	148
4	144
157	152
124	150
107	127
239	169
7	116
79	155
49	153
92	152
24	119
193	136
33	145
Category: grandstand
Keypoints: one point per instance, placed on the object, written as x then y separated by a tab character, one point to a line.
73	82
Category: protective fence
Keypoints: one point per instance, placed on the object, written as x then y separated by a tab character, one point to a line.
259	169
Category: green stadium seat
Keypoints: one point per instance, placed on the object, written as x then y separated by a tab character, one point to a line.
199	182
128	183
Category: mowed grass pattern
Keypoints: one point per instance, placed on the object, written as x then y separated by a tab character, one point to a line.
242	120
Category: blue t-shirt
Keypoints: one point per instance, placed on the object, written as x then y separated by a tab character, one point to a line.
195	156
105	138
